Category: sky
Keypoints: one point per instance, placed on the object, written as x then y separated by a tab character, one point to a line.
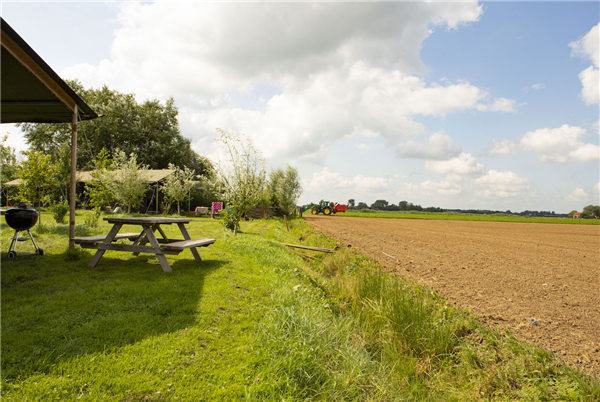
483	105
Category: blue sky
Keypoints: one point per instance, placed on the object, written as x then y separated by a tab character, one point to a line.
459	105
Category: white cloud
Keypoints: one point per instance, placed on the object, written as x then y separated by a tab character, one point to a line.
578	194
504	147
554	145
588	48
590	79
596	127
343	69
495	184
498	105
363	147
586	153
224	46
429	187
439	146
463	164
538	87
326	180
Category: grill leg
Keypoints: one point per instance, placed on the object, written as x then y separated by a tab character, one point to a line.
14	241
37	249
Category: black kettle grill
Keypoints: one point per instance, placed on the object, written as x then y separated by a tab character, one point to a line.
21	219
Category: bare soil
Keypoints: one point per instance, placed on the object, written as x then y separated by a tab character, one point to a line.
508	273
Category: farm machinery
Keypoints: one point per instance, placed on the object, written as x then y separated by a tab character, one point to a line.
327	208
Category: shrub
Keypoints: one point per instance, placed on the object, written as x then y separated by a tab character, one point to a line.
59	211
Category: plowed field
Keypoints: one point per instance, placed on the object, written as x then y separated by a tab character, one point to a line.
509	273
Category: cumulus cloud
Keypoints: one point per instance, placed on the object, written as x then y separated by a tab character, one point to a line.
462	164
538	87
586	153
560	144
327	179
588	48
504	147
429	187
439	146
341	69
495	184
577	195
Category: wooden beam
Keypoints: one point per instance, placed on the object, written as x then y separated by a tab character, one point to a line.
323	250
73	180
23	58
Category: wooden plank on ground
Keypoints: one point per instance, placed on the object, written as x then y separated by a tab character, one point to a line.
323	250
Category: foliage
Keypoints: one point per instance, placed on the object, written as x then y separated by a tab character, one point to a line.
178	185
59	210
591	211
284	189
38	175
379	204
242	179
362	205
91	220
127	181
228	218
149	129
98	189
351	203
8	158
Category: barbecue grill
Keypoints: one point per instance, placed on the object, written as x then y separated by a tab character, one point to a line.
21	219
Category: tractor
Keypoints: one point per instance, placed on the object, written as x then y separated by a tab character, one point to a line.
327	208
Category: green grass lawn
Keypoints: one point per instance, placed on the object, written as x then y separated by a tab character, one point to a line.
467	217
254	321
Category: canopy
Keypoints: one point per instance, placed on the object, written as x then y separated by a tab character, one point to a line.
31	91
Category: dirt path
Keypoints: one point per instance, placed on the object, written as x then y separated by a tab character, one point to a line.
507	272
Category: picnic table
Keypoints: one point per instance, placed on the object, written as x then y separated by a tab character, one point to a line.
158	246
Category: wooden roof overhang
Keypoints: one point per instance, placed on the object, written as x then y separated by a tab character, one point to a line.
31	92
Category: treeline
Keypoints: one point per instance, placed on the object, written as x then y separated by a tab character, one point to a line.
120	148
383	205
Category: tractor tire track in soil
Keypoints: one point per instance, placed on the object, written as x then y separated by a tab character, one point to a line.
506	272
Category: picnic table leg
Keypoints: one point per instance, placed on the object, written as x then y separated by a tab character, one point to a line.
186	236
141	240
109	238
159	254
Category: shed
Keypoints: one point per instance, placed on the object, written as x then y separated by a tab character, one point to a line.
32	92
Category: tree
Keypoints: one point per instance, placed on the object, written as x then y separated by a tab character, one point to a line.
403	205
591	211
572	213
362	205
98	188
149	129
178	185
351	203
379	204
284	189
38	176
10	167
242	178
127	181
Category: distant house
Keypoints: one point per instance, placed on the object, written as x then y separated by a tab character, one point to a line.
577	215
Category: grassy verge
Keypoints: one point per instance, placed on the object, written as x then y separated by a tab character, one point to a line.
254	321
468	217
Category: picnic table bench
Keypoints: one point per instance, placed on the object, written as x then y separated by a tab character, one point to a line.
158	246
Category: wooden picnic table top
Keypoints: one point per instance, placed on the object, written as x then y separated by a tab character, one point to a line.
146	220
